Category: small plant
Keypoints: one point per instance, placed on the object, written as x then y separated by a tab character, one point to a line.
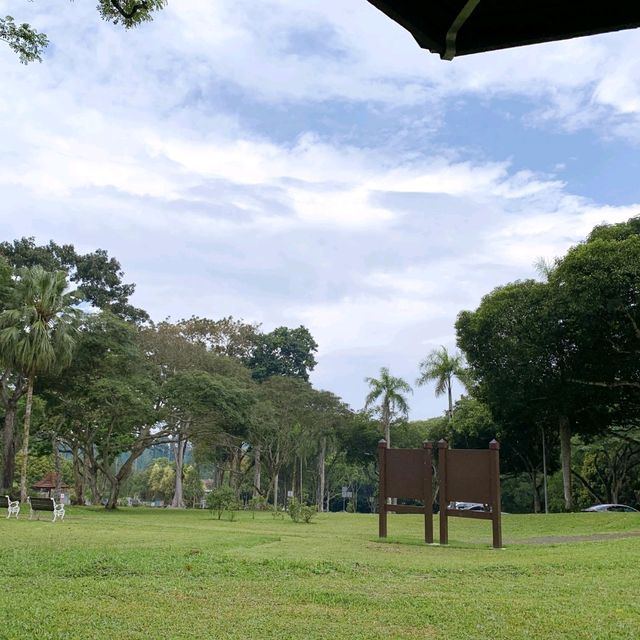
257	503
276	513
300	512
295	508
223	499
308	513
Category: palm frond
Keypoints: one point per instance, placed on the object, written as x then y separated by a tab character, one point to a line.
37	331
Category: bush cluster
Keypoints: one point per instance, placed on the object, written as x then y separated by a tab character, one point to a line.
300	512
223	499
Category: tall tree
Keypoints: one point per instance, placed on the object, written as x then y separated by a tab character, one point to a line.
442	367
224	337
97	277
202	386
205	407
282	407
107	402
524	362
328	415
12	388
37	335
388	396
283	352
596	289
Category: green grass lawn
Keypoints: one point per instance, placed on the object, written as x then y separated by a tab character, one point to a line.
143	573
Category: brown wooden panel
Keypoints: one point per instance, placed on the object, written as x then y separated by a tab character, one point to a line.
404	473
403	508
469	475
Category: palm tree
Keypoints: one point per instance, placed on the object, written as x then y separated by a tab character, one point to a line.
36	335
443	367
389	390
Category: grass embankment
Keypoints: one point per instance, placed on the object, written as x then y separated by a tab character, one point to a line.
142	573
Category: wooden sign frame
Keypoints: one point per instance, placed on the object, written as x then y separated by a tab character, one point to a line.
405	473
470	475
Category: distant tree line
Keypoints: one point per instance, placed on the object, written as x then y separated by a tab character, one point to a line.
110	383
90	383
551	368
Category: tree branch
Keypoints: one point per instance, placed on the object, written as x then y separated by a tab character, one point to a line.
587	485
634	324
608	385
129	14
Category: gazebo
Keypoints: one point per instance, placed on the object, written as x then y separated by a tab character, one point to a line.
460	27
49	483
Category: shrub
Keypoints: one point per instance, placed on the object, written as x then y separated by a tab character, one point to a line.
223	499
300	512
257	503
275	512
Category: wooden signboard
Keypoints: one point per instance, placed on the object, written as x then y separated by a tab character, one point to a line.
470	475
406	473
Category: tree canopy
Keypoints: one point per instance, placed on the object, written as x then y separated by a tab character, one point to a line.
387	396
563	352
97	277
442	367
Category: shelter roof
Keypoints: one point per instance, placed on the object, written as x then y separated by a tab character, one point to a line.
460	27
49	481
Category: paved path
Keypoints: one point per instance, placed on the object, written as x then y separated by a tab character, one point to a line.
581	538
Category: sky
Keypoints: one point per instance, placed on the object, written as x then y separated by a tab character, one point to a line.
290	163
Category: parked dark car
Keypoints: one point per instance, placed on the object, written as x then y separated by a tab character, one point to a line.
617	508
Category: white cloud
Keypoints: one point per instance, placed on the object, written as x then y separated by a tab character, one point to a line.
144	143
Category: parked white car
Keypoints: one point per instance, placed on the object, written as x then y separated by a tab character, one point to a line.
468	506
616	508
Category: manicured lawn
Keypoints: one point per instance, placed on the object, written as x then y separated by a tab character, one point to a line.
150	574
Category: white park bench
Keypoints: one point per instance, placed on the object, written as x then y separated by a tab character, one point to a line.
46	504
12	506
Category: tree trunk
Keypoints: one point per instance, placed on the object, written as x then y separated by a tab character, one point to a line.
78	477
257	472
114	492
275	492
544	473
536	495
219	476
321	473
293	476
565	453
178	497
234	470
301	479
386	420
91	471
25	442
9	448
10	394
